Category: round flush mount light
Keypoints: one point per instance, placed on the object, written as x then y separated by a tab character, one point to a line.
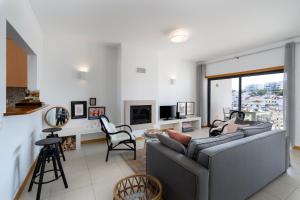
179	35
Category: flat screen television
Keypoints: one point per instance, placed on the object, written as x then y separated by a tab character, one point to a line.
167	112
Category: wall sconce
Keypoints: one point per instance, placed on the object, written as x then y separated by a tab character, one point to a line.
172	80
82	72
81	75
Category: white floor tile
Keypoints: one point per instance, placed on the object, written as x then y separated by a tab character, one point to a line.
279	189
295	195
85	193
263	196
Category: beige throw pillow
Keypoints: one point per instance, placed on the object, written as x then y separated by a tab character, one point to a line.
232	126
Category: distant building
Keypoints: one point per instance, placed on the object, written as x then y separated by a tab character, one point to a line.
274	86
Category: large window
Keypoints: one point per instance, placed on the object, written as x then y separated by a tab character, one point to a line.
259	95
262	98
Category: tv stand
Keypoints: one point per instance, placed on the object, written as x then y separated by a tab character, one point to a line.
176	124
181	117
167	119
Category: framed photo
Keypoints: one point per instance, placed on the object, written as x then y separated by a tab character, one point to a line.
181	108
78	109
190	108
95	112
93	101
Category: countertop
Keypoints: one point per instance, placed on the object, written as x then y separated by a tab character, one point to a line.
10	111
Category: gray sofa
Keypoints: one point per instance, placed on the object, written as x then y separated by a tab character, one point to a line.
235	170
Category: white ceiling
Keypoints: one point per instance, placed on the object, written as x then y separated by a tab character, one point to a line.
218	27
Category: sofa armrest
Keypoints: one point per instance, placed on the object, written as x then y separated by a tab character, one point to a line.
181	177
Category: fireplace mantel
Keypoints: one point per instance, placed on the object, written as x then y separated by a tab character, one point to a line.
129	103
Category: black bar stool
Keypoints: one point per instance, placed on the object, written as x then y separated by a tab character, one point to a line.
48	152
52	135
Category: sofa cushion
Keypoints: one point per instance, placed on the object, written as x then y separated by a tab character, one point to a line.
196	145
256	129
179	137
171	143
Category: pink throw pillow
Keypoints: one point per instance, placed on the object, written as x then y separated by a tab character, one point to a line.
180	137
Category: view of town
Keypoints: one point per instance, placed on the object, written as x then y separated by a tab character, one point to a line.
262	98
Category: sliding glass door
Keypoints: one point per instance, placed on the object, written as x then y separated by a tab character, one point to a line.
259	95
224	97
262	98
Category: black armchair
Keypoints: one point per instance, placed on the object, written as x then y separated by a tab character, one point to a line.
115	137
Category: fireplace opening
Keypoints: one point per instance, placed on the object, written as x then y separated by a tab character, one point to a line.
140	114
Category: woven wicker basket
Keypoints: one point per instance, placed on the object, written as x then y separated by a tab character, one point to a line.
138	187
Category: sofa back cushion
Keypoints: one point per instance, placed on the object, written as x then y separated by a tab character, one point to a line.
256	129
197	145
179	137
172	144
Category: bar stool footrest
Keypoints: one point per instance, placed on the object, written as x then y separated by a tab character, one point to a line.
45	182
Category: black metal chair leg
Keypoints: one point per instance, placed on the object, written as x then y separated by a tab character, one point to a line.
60	167
43	160
61	151
108	149
36	170
54	166
134	144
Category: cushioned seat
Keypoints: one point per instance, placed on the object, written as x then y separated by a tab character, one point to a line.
115	137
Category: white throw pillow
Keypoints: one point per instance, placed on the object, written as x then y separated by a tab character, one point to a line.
111	128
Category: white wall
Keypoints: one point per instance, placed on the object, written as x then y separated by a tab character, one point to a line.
18	150
266	59
17	132
133	85
221	97
139	86
155	83
184	88
112	77
60	84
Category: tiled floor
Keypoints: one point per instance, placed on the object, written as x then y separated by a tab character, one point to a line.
91	178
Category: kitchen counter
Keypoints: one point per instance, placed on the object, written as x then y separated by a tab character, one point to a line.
10	111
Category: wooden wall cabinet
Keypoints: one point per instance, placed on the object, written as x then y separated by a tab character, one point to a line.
16	65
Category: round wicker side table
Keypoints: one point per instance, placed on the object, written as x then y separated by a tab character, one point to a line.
138	187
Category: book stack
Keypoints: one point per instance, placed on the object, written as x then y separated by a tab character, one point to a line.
187	127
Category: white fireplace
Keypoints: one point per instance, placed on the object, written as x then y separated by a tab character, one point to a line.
140	114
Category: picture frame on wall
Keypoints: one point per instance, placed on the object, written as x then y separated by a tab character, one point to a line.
78	109
93	101
95	112
190	108
181	108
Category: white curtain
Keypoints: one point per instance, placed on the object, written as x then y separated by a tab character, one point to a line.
200	96
289	97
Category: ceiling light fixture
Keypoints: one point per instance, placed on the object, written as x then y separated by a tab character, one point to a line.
179	35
